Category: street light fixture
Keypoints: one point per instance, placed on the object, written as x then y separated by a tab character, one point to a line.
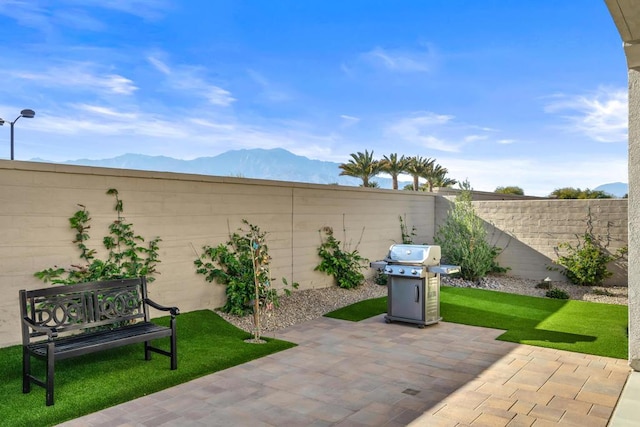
26	113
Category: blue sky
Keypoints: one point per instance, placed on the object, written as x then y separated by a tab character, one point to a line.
529	93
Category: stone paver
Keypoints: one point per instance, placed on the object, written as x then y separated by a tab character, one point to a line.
371	373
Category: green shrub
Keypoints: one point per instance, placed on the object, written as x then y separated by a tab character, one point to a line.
126	257
381	279
556	293
242	265
463	240
336	260
585	263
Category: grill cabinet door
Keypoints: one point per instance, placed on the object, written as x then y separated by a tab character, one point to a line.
406	298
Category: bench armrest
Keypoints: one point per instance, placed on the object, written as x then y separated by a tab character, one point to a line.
51	332
173	310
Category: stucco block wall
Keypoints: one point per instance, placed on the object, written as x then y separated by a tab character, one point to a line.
187	212
529	231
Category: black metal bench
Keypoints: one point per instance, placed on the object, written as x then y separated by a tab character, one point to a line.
60	322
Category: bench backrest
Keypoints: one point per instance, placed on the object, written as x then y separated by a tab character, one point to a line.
84	305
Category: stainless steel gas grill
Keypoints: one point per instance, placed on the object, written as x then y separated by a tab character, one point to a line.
413	284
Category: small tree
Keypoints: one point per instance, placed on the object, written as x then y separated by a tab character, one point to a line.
243	266
463	239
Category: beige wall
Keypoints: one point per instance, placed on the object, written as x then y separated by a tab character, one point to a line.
530	230
187	212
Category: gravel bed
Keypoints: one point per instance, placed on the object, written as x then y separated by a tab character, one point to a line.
309	304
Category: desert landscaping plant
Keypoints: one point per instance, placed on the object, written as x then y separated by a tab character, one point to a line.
407	235
586	262
337	260
463	240
127	255
243	266
556	293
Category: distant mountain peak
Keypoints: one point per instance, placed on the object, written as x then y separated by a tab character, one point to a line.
260	163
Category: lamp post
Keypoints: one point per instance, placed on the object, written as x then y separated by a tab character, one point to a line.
27	113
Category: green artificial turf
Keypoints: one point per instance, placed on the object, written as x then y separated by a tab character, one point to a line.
579	326
360	310
206	344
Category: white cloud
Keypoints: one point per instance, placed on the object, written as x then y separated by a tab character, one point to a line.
472	138
83	76
47	17
105	111
400	60
185	78
506	141
601	116
348	121
433	131
159	65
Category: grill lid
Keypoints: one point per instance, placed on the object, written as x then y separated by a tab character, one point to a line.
414	254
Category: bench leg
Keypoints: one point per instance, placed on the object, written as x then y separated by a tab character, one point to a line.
26	370
50	373
147	352
174	346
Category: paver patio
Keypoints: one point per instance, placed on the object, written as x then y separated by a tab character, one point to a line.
371	373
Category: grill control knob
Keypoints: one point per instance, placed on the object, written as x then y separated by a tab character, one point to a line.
401	271
414	272
388	270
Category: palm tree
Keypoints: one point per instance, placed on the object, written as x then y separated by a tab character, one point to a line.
394	167
361	165
417	168
436	176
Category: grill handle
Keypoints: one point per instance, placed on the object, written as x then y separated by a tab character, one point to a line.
417	293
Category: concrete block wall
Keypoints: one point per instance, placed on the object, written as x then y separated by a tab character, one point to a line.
187	212
529	231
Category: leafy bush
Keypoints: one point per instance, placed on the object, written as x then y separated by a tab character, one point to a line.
463	240
126	257
242	265
381	279
586	262
556	293
336	260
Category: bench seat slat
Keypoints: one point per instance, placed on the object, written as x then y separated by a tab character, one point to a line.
90	342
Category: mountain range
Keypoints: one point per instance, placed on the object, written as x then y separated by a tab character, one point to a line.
275	164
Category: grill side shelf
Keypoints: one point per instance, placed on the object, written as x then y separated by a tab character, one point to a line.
444	269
